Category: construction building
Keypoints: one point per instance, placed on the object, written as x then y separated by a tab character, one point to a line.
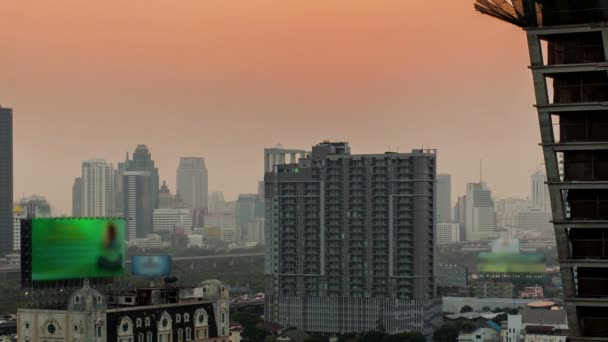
568	47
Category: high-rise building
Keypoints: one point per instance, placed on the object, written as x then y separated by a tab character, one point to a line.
166	200
224	218
540	191
77	197
140	185
444	198
192	182
166	221
35	206
97	188
119	195
6	180
350	240
479	213
448	232
215	198
19	213
567	44
139	203
249	206
508	210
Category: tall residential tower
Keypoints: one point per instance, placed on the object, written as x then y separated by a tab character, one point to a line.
568	47
6	180
350	240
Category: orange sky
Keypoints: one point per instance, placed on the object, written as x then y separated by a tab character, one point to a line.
224	79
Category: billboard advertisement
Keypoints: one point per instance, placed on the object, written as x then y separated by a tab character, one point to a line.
151	265
77	248
505	257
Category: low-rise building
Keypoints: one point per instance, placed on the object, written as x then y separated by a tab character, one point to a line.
532	292
151	314
480	335
493	289
166	220
152	241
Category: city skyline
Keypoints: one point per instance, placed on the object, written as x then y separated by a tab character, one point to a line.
175	77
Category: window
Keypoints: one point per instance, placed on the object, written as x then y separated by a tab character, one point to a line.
188	334
99	299
140	337
178	318
223	317
51	328
149	337
27	325
180	335
77	299
186	317
98	331
138	323
147	321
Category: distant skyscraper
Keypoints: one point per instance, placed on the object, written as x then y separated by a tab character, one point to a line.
480	215
224	218
119	196
6	180
97	188
249	206
444	198
215	198
77	197
192	181
167	200
140	192
351	238
540	191
139	206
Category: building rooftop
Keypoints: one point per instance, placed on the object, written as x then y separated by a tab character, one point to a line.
544	317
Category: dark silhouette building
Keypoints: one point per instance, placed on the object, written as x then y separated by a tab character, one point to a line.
6	180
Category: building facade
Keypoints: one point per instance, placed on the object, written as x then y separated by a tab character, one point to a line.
146	315
444	198
166	220
6	180
138	203
224	218
97	188
77	197
448	232
539	193
192	182
480	214
568	49
350	232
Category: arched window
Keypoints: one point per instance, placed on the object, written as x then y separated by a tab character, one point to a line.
138	322
140	337
147	321
188	334
178	318
149	337
180	335
186	317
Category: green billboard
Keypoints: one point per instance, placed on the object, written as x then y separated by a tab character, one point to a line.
77	248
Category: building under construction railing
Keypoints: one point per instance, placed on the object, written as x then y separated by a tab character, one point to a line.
535	13
568	47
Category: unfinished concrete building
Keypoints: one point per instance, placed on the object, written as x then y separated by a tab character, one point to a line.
568	46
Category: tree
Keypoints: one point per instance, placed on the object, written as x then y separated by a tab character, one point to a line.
253	334
466	308
486	309
449	332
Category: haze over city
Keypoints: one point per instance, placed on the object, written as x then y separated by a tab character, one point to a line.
223	80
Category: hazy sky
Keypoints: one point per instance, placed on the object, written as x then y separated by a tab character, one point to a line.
224	79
